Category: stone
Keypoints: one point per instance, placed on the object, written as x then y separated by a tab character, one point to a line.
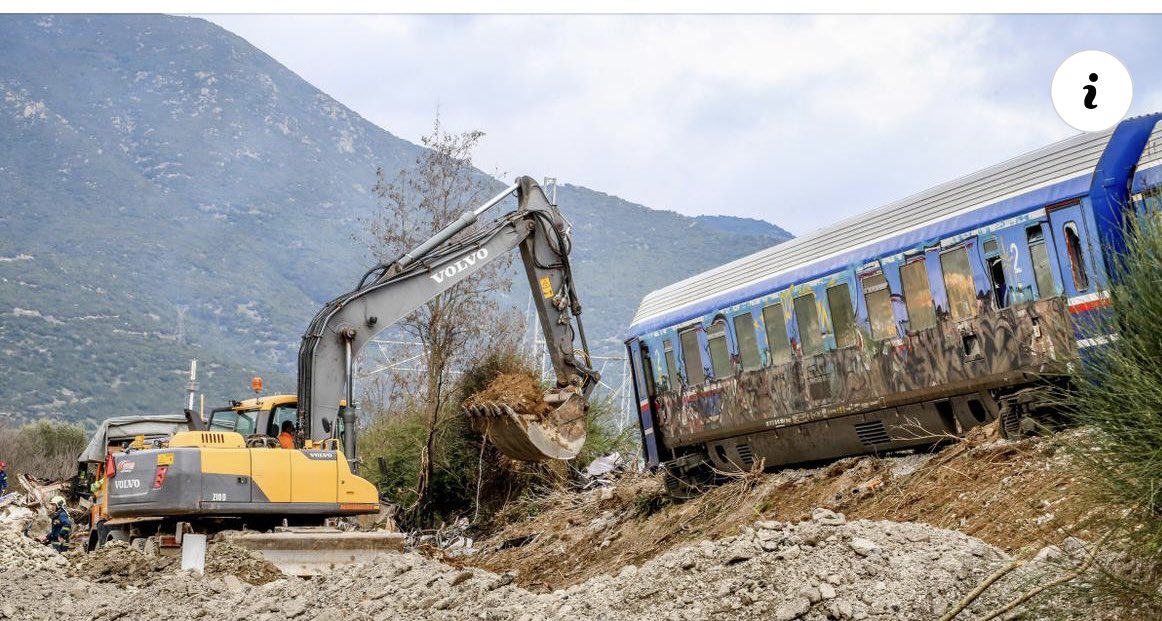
828	517
864	547
789	553
792	609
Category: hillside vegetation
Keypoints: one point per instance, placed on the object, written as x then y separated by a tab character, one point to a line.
171	192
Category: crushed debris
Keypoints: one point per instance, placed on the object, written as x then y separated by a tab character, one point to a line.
120	564
825	567
226	559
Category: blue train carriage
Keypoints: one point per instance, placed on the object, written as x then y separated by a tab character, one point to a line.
892	329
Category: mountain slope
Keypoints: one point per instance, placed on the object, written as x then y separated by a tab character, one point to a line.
171	192
745	226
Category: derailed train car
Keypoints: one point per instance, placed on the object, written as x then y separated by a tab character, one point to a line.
926	317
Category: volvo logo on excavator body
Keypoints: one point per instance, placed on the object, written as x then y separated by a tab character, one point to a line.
461	264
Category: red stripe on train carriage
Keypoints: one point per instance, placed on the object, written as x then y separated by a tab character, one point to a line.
1084	303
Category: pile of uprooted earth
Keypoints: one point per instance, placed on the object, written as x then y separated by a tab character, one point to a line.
824	567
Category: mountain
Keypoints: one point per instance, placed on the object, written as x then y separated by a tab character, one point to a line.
171	192
745	226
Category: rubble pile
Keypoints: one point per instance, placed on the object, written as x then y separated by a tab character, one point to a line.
823	568
119	563
226	559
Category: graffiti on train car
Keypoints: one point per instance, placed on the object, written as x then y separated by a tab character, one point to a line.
1035	337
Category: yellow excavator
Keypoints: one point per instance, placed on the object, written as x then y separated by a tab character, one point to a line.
231	471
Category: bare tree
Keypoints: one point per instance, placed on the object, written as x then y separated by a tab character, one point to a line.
422	199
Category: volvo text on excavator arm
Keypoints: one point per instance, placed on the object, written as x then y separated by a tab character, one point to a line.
391	291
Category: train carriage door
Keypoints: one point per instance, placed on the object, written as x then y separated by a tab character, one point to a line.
1074	253
995	270
645	389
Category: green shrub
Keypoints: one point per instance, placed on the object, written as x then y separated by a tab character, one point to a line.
470	478
1118	390
604	433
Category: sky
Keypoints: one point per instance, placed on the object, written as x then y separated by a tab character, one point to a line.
798	120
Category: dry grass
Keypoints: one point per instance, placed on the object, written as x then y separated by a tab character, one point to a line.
1013	495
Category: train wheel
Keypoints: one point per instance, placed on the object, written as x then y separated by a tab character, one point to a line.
1010	418
684	482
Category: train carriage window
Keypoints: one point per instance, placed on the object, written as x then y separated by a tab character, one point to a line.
1076	258
692	358
748	341
958	283
648	371
719	352
997	276
918	295
671	365
1039	256
807	318
776	325
878	297
842	316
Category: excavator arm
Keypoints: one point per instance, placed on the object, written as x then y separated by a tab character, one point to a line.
389	292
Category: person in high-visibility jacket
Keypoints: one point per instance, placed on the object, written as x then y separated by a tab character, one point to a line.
62	526
286	439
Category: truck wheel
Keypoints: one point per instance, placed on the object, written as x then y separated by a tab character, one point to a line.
115	534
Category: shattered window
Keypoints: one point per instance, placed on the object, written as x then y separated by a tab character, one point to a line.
748	341
1039	255
719	352
692	358
1076	259
918	295
807	319
842	316
776	324
879	307
671	365
958	283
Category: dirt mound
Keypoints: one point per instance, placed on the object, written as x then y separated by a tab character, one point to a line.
1011	494
520	391
121	564
224	558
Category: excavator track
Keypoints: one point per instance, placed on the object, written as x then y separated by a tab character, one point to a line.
559	434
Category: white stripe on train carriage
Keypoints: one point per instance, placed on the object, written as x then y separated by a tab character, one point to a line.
863	244
1088	297
1096	340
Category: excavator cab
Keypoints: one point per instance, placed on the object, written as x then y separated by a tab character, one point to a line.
259	420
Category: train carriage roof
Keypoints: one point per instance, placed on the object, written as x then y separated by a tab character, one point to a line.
1057	172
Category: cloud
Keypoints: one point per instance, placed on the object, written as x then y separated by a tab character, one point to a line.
799	120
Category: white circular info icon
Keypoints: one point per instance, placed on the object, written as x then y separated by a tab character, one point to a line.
1092	91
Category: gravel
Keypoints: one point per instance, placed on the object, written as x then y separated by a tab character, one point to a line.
824	568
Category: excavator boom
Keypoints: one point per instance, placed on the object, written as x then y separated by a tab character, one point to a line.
391	291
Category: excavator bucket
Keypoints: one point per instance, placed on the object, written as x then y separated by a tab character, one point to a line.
533	433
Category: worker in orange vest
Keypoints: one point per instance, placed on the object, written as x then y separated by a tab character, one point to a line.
286	439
